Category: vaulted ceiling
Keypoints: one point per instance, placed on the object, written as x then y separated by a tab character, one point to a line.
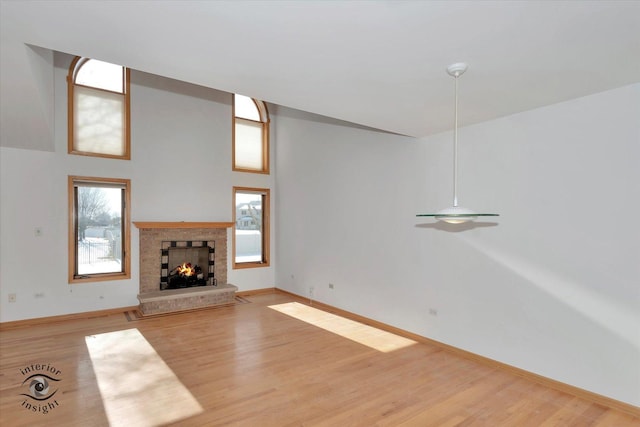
380	64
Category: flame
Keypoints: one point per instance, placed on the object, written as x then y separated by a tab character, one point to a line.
186	270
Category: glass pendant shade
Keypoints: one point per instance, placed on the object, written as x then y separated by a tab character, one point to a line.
456	214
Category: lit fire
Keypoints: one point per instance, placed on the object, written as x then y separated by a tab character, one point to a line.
185	269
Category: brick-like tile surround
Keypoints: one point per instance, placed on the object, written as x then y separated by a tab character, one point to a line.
150	270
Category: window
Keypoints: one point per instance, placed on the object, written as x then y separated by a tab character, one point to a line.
250	135
98	229
98	109
251	227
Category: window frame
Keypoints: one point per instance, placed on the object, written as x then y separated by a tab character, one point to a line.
264	121
125	230
266	218
74	68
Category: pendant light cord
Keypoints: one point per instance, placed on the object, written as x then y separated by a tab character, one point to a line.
455	145
456	214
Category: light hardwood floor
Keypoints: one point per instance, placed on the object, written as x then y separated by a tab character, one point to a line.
268	361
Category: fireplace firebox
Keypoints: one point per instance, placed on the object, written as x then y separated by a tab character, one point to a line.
186	264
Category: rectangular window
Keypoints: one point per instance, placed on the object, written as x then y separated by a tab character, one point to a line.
251	227
98	229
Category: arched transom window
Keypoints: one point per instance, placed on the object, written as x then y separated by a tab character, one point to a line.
250	135
98	109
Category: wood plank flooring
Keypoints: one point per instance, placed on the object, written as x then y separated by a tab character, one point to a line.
253	365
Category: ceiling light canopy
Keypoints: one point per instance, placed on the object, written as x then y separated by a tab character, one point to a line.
456	214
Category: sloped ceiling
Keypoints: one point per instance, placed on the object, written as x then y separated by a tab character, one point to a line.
380	64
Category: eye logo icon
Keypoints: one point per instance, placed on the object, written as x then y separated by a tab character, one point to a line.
40	381
39	388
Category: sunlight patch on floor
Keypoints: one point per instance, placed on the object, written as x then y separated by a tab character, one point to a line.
137	386
367	335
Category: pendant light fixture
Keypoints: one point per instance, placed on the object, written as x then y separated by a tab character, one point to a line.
456	214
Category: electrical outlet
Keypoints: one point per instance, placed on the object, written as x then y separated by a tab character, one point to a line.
330	285
12	297
312	290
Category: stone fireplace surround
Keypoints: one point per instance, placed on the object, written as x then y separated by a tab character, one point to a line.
152	299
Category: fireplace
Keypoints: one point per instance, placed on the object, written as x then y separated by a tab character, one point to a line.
166	248
187	263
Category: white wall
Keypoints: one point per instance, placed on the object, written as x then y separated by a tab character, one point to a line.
551	286
180	171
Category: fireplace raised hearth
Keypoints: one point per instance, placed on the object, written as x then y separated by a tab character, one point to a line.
183	265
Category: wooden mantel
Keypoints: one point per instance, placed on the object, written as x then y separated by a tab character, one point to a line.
182	224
